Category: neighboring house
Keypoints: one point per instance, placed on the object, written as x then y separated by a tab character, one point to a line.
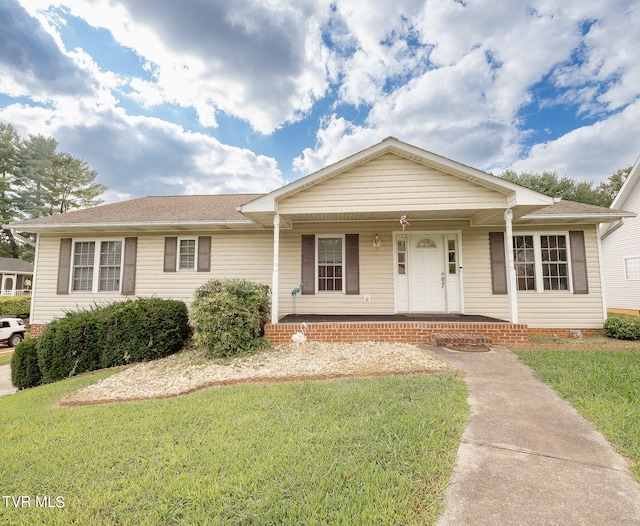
471	243
621	248
17	277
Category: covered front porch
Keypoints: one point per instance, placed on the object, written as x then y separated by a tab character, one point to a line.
437	328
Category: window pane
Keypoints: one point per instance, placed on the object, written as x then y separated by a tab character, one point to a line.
110	258
83	260
330	264
632	268
524	259
555	268
187	260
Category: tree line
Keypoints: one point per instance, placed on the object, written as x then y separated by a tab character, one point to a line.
37	180
569	189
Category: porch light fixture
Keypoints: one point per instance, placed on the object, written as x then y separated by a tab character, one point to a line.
376	241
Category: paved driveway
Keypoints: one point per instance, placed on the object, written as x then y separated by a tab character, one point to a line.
5	380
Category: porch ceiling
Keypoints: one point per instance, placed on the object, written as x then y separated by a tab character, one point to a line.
476	217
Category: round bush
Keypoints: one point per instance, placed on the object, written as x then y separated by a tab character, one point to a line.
622	327
229	317
25	371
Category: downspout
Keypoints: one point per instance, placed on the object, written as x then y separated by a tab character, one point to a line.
512	290
605	314
275	278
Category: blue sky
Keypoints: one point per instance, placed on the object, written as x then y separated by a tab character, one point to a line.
206	96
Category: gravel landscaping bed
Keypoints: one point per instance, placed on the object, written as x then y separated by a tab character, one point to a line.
189	371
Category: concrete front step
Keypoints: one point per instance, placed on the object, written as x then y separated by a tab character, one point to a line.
462	341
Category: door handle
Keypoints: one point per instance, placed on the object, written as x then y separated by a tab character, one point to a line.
442	278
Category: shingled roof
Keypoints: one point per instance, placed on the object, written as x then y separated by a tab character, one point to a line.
149	211
18	266
573	212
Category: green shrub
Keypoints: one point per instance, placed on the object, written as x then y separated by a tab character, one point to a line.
229	317
25	371
19	306
622	327
116	334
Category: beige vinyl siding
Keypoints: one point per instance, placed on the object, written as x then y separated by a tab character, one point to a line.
622	293
561	309
376	271
478	296
391	183
246	255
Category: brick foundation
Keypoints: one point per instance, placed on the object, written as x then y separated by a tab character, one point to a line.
37	329
505	334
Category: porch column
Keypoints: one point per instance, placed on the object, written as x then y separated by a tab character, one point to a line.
275	278
512	289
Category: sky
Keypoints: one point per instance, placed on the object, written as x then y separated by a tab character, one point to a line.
169	97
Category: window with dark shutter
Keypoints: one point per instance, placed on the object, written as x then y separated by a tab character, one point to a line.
64	265
129	270
578	262
308	264
204	253
498	263
352	252
170	247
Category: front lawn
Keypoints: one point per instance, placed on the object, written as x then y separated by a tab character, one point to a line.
602	382
5	359
354	451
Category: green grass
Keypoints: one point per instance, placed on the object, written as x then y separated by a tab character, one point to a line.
5	359
354	451
603	385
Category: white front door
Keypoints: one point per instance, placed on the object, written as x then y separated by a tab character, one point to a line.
427	272
427	291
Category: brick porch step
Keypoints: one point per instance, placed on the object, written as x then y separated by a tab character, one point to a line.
462	341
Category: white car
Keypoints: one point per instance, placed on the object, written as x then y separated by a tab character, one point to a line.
12	330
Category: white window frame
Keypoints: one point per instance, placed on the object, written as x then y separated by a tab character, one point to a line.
537	252
317	264
626	270
179	267
95	282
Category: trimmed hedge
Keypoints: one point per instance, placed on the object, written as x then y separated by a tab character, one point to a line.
117	334
19	306
25	371
622	327
229	316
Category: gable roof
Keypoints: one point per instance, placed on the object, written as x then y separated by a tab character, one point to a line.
18	266
517	195
151	213
572	212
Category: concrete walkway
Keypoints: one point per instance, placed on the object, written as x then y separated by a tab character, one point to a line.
528	458
5	380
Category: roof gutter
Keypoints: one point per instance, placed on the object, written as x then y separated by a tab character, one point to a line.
20	237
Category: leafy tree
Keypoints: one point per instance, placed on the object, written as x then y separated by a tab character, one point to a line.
9	155
36	180
570	189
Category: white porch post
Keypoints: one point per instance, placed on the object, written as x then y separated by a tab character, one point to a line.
512	289
275	278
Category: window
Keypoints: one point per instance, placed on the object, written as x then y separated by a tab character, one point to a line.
330	263
187	254
96	270
402	256
541	262
632	268
451	256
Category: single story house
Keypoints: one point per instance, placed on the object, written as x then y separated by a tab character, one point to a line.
621	249
389	243
17	277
